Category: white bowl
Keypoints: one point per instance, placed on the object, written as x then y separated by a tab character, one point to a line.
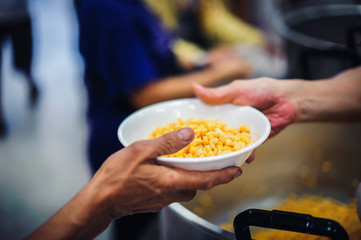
140	124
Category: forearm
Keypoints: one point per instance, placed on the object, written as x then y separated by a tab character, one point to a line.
178	86
334	99
81	218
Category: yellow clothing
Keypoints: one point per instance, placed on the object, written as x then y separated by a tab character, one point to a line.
166	10
218	25
222	27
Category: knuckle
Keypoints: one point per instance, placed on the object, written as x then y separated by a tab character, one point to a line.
169	144
228	178
158	192
137	146
207	186
141	148
168	181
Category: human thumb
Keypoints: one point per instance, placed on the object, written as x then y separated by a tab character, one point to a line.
174	141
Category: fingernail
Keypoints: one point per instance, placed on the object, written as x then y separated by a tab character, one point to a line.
238	173
185	134
200	87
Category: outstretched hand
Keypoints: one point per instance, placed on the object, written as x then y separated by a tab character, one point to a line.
264	94
130	181
138	184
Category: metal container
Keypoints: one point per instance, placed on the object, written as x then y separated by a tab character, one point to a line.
320	40
292	162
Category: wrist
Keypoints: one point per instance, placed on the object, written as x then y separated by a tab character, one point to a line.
296	92
87	212
80	218
95	201
312	99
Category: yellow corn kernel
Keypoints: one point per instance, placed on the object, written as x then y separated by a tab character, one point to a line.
205	140
220	125
215	150
180	121
237	138
229	142
210	154
203	130
186	149
244	128
245	137
212	134
207	148
192	150
222	139
178	154
237	146
227	148
209	125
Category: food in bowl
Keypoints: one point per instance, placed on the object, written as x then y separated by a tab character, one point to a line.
140	124
212	138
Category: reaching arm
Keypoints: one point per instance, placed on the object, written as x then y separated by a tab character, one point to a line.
334	99
181	86
288	101
131	182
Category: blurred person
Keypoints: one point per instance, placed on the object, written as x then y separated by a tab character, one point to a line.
337	99
15	24
131	182
207	32
129	64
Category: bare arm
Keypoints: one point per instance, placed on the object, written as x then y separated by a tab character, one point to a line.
131	182
334	99
181	86
288	101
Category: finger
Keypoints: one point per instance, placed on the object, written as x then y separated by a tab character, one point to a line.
147	210
170	197
178	196
184	195
251	157
214	96
171	142
204	180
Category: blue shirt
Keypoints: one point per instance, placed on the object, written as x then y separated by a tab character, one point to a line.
124	48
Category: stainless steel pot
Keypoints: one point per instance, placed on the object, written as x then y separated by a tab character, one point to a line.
320	40
303	159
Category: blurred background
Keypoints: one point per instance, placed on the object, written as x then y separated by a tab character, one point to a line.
43	157
43	142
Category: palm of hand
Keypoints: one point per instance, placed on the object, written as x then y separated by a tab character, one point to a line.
265	96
